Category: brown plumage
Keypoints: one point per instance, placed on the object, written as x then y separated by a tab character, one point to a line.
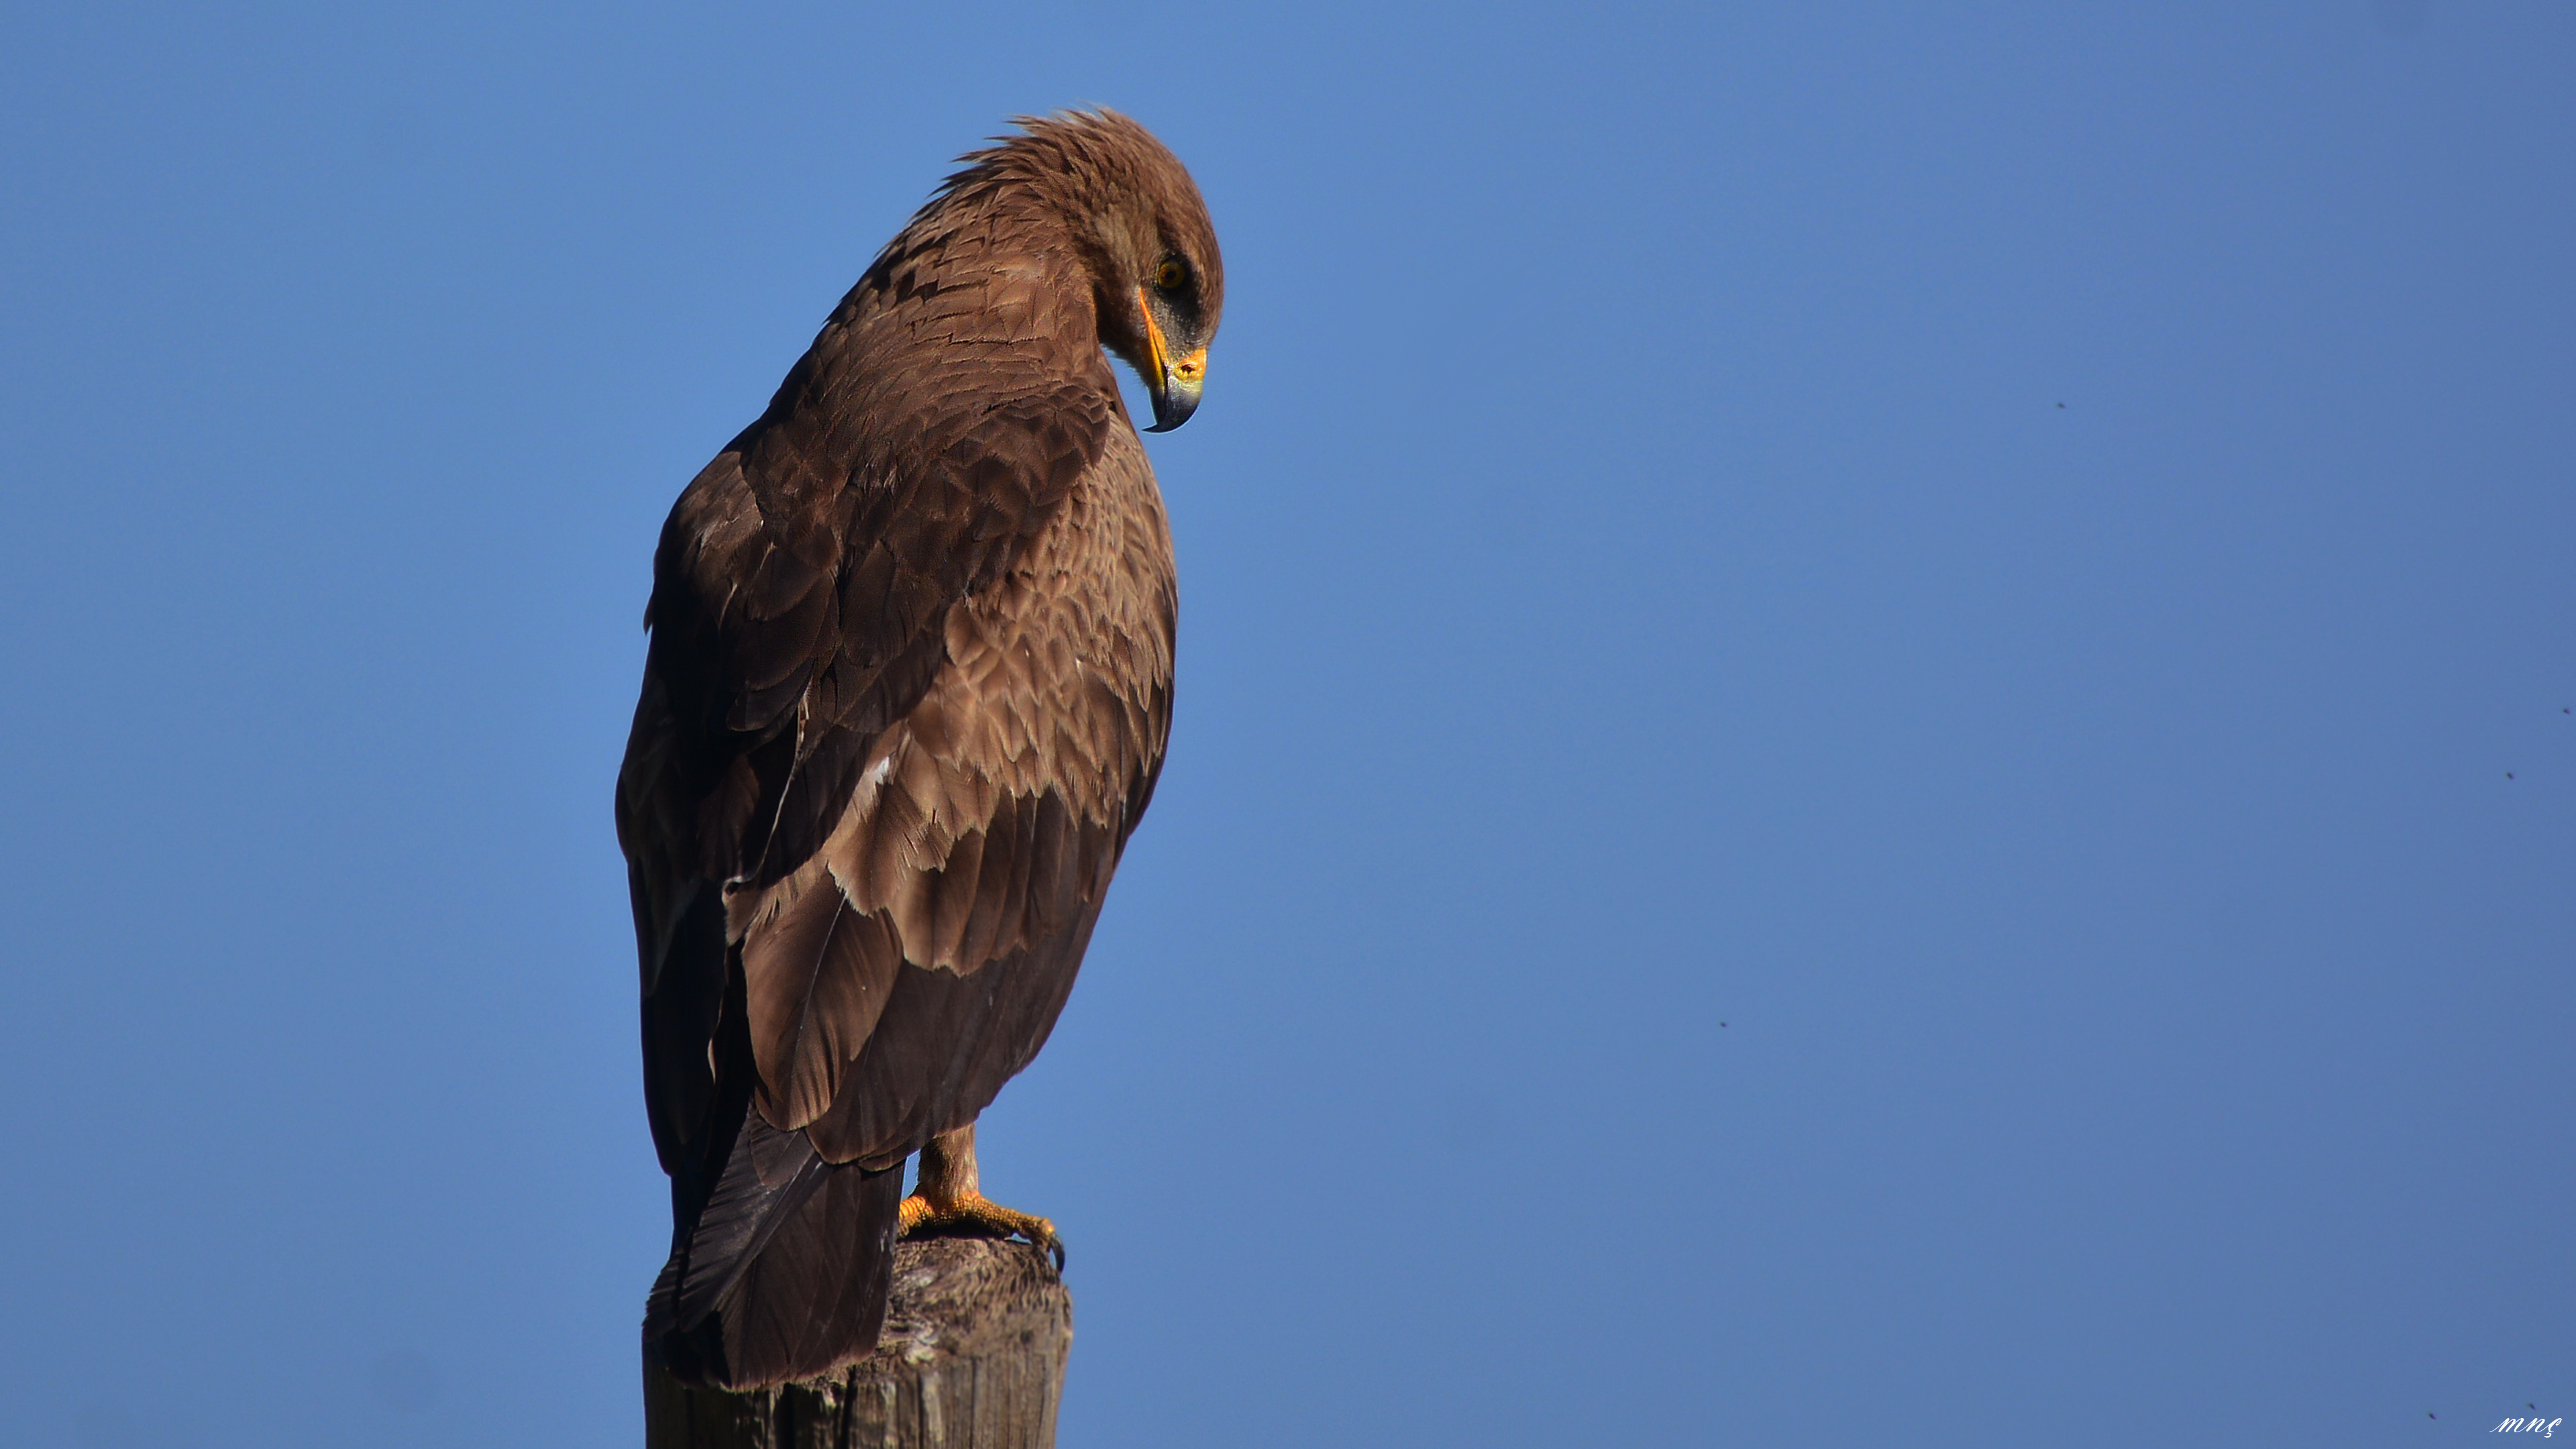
908	691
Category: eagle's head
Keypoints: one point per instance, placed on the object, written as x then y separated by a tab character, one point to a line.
1145	238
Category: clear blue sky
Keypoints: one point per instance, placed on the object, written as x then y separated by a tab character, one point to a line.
1873	740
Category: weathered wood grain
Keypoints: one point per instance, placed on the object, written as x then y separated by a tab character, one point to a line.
972	1357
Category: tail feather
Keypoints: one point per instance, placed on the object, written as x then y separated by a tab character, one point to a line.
768	1175
783	1273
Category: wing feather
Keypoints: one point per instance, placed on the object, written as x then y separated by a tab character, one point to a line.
816	978
889	739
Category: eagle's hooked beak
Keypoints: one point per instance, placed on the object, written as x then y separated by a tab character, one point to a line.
1174	384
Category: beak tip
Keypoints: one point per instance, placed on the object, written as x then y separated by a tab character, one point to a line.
1172	407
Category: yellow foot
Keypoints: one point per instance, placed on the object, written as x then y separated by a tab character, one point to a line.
979	1216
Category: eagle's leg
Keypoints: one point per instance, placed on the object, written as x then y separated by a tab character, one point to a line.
946	1199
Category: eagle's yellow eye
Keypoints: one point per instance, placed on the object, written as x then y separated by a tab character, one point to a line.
1171	274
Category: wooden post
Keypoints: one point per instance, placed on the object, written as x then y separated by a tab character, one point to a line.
972	1358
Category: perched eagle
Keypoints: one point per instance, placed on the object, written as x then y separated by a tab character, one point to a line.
908	689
